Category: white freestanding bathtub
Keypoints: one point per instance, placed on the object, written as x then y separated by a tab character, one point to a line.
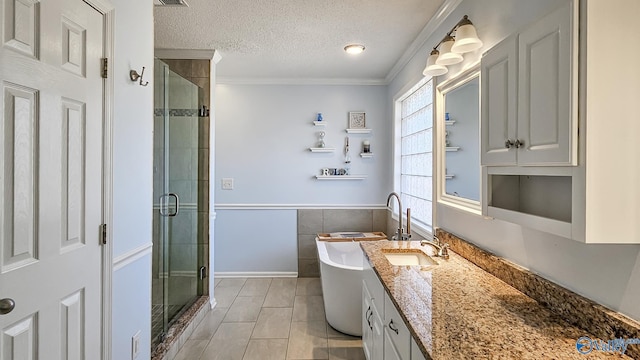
341	277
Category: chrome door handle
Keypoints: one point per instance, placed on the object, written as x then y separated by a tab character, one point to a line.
6	306
392	327
508	143
177	208
164	205
519	143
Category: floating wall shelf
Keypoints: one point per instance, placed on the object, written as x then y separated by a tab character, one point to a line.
366	155
449	176
358	131
322	150
319	123
453	148
449	122
341	177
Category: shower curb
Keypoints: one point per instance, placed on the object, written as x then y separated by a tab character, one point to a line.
181	330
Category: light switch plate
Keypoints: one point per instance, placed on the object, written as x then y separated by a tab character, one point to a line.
227	183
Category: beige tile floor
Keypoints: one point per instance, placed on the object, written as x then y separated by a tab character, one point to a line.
269	319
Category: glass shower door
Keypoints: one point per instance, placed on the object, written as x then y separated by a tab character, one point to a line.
175	250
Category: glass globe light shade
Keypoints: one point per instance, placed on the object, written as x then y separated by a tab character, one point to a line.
432	68
447	57
466	39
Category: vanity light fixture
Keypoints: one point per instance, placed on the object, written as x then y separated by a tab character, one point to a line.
461	39
433	68
354	49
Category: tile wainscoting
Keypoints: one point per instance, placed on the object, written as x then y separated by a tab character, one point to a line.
314	221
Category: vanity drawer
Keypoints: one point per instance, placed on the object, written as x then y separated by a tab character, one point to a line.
397	336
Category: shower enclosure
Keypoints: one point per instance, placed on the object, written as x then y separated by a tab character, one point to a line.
178	172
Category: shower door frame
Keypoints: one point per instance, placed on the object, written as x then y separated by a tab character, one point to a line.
167	211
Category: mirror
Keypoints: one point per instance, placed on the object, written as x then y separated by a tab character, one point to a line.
458	144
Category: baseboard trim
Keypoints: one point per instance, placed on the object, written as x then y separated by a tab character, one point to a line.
256	274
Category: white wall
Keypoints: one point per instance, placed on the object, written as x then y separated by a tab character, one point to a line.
263	134
256	241
132	177
608	274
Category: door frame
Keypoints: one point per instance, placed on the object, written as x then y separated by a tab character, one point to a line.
107	9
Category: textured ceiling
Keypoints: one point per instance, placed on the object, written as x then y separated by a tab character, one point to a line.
296	39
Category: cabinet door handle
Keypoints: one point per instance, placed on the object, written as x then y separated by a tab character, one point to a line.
508	143
393	327
519	143
367	316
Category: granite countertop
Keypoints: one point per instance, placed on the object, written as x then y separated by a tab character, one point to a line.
455	310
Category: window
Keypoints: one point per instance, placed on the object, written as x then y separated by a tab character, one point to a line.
416	154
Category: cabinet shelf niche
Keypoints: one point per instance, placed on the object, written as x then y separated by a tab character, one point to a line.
540	202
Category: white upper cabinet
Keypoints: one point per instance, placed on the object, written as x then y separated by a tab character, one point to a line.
498	75
529	98
579	186
547	88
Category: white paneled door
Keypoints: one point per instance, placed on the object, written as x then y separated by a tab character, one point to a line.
51	171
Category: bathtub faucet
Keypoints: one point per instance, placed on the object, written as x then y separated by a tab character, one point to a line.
400	234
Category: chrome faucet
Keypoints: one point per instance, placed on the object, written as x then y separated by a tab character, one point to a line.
438	245
400	234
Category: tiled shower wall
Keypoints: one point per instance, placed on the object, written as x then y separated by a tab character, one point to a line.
314	221
198	72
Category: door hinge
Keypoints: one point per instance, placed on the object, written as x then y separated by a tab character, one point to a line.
103	234
105	68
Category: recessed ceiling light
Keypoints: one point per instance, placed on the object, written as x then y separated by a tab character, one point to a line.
354	49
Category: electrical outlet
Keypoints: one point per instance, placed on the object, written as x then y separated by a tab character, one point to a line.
135	345
227	183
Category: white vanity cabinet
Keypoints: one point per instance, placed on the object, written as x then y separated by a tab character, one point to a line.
372	337
397	339
529	92
416	353
385	336
372	307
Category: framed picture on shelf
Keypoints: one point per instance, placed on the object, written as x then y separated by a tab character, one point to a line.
357	120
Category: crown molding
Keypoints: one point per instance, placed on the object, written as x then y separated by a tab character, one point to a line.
195	54
298	81
447	7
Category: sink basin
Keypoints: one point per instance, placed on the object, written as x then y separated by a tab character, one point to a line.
409	258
